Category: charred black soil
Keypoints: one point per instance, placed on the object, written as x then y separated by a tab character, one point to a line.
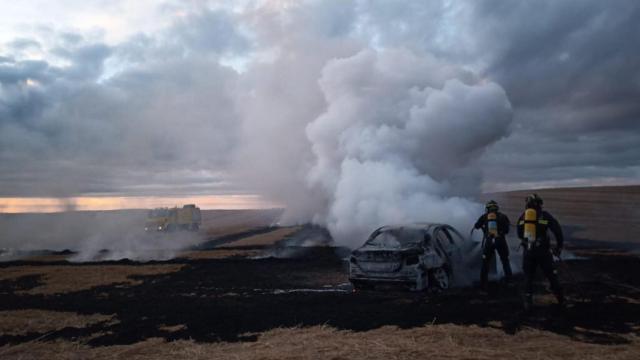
233	299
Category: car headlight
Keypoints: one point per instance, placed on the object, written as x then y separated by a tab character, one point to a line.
159	227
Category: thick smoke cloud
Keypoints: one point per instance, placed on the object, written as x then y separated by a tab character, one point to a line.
397	140
359	137
306	102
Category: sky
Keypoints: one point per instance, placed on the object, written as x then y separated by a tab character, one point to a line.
128	102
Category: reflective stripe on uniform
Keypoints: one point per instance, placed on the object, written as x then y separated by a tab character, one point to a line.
543	222
521	222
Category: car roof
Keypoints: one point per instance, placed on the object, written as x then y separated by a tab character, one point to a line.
429	227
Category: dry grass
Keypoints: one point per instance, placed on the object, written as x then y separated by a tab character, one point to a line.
173	328
61	278
267	239
323	342
225	251
227	230
21	322
217	219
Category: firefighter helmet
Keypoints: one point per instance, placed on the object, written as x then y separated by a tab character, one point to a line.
533	201
492	206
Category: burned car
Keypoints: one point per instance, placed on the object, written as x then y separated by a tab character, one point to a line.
415	257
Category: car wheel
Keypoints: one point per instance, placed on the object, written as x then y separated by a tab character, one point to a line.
422	281
439	278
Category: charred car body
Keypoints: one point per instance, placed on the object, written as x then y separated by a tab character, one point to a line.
415	257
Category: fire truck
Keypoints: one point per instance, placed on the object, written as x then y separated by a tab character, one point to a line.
171	219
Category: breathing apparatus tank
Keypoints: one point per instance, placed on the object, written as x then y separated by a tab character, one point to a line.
492	224
530	222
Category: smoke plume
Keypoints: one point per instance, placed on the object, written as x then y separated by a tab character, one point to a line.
393	140
397	140
320	111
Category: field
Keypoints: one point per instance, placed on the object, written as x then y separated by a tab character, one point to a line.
251	291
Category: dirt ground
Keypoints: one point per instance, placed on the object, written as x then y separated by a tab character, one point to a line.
273	294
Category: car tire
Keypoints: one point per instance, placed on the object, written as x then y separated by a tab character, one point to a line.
439	278
422	281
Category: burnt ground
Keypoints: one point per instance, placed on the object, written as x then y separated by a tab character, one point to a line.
234	299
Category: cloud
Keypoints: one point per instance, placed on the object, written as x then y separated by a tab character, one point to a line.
571	73
208	31
71	125
82	114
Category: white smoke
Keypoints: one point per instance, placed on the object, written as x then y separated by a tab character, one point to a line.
398	132
92	236
324	118
134	245
395	143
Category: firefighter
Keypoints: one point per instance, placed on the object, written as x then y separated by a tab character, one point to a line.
533	227
495	226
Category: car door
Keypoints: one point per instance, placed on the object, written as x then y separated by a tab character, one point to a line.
449	241
432	254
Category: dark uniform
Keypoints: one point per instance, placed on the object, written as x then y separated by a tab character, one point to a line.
491	244
538	253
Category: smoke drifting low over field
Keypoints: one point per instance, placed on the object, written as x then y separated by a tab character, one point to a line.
104	235
115	235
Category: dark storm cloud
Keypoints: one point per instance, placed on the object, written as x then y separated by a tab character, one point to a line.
571	70
12	72
87	60
581	54
97	117
67	127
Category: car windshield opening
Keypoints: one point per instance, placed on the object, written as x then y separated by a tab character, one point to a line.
395	239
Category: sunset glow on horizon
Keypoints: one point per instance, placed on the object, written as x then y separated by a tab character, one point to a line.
97	203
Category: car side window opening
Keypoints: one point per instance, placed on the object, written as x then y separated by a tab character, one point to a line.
426	240
446	236
457	238
444	241
440	239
